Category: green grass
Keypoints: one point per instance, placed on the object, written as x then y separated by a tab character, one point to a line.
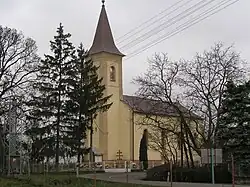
58	181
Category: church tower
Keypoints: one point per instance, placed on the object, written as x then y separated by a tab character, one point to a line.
107	56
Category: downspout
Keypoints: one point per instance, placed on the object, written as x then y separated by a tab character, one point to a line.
133	135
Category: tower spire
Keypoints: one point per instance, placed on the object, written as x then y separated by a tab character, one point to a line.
103	40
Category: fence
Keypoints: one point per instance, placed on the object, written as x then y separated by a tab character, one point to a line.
26	167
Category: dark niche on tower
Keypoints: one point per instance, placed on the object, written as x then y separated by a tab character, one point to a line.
112	74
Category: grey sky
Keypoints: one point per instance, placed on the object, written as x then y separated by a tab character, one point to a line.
40	18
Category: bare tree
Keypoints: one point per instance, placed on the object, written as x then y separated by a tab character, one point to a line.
164	142
18	64
205	78
198	85
160	83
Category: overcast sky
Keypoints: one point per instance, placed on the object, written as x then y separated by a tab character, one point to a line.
40	18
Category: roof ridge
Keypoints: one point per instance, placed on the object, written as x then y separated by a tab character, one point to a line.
157	107
143	98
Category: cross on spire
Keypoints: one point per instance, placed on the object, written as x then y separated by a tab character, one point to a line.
103	2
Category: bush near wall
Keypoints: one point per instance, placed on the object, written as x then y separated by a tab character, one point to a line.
158	173
199	175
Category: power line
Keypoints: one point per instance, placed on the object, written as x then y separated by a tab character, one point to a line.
145	23
170	34
166	24
185	25
158	20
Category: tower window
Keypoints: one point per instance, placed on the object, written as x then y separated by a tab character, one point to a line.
112	73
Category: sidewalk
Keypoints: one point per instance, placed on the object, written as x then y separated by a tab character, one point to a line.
135	178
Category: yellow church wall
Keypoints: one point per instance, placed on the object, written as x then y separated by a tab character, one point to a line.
149	122
96	131
138	131
109	121
113	130
125	132
114	113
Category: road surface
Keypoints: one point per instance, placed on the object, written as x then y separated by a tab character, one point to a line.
135	178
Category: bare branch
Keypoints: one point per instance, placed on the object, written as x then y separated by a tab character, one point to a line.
205	78
198	85
18	62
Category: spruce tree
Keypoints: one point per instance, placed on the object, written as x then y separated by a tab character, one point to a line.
48	103
86	99
143	150
222	133
234	123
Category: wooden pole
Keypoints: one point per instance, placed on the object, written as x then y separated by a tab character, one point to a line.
171	173
126	165
94	179
233	180
77	169
212	164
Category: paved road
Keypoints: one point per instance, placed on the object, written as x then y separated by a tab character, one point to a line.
135	178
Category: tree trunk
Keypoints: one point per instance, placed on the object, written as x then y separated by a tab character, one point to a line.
57	138
181	140
79	117
82	157
79	137
79	145
2	154
190	151
186	154
58	119
91	141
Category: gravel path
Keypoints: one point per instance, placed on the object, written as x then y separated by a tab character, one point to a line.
135	178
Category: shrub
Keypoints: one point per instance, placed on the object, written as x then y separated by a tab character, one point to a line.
200	175
158	173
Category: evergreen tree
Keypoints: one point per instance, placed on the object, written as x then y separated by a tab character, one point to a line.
48	103
225	115
143	152
86	99
233	131
40	145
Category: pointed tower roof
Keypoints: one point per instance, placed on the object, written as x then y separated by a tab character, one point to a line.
103	40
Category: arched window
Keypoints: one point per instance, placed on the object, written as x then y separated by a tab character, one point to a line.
112	73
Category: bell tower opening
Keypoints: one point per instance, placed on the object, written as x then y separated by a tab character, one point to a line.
112	74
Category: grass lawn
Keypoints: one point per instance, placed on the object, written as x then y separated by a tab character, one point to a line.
58	181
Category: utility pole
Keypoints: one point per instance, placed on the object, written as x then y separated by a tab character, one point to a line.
171	172
212	158
212	163
233	181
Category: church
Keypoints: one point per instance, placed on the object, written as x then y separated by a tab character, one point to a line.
116	133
